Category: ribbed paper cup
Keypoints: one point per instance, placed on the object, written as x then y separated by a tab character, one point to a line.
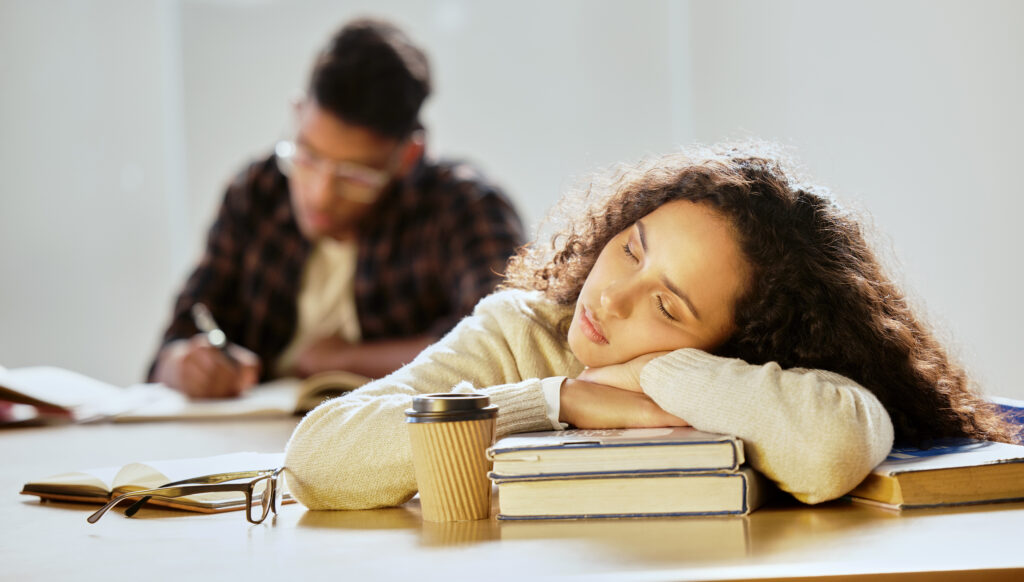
450	434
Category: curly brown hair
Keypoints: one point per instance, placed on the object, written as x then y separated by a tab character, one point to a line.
818	296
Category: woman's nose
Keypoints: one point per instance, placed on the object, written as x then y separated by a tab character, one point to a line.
616	300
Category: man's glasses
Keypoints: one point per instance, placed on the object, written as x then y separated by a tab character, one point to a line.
264	491
349	181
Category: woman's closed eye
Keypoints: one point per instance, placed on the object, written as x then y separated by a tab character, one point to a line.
629	253
661	307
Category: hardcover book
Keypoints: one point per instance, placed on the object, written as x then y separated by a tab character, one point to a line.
955	472
631	495
605	451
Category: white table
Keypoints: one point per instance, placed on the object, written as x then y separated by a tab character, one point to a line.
52	541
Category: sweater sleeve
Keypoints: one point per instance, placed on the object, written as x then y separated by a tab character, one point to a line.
353	452
814	433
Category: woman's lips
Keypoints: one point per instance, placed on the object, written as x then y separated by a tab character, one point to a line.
590	327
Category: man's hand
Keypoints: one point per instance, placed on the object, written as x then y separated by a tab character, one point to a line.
585	404
200	370
625	376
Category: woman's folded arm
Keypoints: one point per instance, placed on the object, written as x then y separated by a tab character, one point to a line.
816	434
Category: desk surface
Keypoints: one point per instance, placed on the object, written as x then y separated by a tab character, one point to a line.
53	540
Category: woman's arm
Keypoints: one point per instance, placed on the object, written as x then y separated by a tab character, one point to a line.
590	404
353	452
816	434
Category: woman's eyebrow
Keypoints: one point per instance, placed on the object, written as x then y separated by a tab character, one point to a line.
682	296
664	278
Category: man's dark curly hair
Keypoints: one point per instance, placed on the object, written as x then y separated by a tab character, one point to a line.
817	296
371	74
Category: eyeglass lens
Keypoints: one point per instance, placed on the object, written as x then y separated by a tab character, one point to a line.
279	490
261	499
349	181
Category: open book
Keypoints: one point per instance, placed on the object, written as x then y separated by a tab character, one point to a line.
285	396
47	393
100	485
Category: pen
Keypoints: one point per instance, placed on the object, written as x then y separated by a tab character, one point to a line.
214	334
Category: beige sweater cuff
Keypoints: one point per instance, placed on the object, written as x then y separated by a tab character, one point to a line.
691	375
521	406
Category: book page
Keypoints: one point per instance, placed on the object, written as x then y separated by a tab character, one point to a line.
154	474
326	385
84	398
86	483
275	399
145	474
56	387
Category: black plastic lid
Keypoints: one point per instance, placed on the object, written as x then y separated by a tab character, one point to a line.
450	407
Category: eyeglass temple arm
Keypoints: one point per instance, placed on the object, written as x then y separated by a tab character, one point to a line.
135	507
216	478
219	477
160	492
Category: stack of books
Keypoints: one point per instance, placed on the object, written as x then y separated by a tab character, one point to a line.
608	473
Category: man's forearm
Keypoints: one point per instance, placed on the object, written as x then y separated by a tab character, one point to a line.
373	359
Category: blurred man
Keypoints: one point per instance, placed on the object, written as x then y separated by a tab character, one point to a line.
348	248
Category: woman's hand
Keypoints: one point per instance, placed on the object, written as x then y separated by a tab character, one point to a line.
586	404
625	376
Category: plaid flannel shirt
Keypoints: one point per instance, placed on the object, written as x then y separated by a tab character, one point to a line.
434	245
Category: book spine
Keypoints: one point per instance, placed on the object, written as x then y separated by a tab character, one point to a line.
499	478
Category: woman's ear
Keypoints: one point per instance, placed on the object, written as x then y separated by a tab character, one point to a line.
412	151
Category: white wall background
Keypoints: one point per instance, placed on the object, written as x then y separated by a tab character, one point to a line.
122	120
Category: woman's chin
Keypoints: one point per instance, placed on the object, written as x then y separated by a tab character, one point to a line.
578	347
583	349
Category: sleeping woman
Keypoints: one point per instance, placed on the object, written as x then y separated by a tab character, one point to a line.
709	288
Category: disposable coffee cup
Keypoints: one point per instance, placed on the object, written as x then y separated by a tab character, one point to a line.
450	434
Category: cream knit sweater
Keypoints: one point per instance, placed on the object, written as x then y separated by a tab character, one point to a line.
814	433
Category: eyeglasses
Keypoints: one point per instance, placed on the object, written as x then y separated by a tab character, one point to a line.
349	180
264	491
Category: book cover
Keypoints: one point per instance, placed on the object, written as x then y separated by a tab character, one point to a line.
631	495
1012	408
608	451
100	485
955	471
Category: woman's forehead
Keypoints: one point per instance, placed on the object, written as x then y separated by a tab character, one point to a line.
697	248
